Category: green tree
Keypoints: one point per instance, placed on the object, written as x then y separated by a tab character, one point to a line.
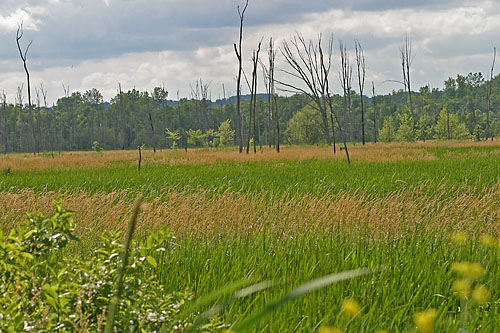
195	137
449	122
173	136
225	133
388	131
305	126
405	132
424	129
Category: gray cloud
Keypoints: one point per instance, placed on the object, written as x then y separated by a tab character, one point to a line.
96	43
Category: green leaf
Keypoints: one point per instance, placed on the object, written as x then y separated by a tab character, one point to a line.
151	261
47	290
26	255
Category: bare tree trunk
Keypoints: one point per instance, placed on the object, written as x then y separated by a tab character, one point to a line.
5	134
360	61
406	62
273	99
23	55
333	134
489	95
276	122
49	135
345	77
121	116
150	118
19	97
253	101
237	50
374	114
267	117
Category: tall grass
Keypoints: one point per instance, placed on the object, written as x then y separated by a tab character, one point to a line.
417	276
204	213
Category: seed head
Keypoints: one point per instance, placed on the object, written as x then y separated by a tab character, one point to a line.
425	320
487	240
462	287
472	270
328	329
459	238
480	294
350	307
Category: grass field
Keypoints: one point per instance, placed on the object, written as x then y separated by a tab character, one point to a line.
292	217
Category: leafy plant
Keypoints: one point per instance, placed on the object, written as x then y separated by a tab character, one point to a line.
96	147
44	288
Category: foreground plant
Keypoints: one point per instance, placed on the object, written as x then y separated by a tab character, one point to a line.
42	288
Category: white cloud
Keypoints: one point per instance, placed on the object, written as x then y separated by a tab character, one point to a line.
11	21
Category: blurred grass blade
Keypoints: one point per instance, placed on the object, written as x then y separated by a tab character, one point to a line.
213	296
220	306
297	292
113	306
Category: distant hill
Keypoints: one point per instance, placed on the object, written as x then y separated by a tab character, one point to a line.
221	101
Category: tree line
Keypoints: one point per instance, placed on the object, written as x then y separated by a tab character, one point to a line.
133	118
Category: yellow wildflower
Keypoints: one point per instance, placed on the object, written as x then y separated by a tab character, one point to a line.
487	240
476	271
328	329
425	320
462	287
459	238
480	294
350	307
467	269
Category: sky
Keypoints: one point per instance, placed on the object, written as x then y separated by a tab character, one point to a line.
85	44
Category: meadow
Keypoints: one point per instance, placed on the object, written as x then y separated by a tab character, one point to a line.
292	217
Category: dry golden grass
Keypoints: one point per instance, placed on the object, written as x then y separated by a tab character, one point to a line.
380	152
202	213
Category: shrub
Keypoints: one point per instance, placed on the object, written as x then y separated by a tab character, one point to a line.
42	288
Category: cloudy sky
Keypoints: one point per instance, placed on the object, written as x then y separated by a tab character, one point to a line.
86	44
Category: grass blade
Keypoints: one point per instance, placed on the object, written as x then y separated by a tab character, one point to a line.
220	306
297	292
113	306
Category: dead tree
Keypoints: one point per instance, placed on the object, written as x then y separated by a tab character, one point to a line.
253	101
374	114
38	109
50	137
24	54
267	118
20	102
5	135
345	78
305	60
273	104
150	118
121	115
237	50
326	66
489	95
406	62
360	62
311	65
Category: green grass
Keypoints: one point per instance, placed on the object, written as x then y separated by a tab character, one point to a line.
414	268
415	276
311	176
